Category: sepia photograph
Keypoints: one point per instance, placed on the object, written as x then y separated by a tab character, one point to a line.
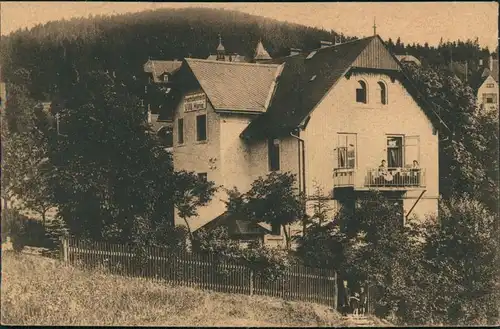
250	164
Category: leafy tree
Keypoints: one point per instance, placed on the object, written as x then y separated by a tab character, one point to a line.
320	206
469	154
24	152
266	194
190	193
461	251
109	169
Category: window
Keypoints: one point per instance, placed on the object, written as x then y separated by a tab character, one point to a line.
489	98
180	131
273	150
203	176
383	92
201	127
165	77
490	85
346	151
361	92
275	229
395	151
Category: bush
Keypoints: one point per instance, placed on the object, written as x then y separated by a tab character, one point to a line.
270	264
216	242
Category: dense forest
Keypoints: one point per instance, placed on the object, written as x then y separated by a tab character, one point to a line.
54	54
49	57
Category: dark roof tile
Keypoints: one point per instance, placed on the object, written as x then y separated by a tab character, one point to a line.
296	93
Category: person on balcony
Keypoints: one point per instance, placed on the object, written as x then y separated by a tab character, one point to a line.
384	172
415	170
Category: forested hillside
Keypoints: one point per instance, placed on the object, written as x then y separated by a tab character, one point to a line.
55	53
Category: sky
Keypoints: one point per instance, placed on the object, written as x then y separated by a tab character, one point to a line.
413	22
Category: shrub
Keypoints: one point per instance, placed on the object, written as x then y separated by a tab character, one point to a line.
216	242
270	264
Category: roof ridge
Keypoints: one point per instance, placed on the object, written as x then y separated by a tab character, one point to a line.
344	43
230	63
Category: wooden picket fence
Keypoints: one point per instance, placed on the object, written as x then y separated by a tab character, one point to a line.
299	283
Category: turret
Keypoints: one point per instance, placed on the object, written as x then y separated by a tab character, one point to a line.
261	53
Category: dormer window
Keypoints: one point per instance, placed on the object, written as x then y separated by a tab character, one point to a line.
361	92
383	92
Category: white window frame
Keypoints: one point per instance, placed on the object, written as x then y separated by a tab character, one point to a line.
381	84
345	136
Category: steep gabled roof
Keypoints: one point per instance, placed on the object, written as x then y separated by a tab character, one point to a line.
158	68
261	52
307	78
235	86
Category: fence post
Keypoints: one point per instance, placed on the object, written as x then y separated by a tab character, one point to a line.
64	248
251	282
335	291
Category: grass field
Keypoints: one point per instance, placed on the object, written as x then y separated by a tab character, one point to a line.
42	291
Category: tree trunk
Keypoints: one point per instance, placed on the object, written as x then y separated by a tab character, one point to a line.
287	238
191	236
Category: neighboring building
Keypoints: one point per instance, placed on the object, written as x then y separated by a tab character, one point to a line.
330	116
487	87
408	59
223	55
158	96
240	229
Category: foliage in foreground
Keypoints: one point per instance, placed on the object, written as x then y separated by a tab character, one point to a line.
442	272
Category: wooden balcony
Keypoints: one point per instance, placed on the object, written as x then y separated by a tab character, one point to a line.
343	177
395	178
375	178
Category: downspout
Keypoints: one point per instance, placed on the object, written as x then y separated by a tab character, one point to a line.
302	166
413	207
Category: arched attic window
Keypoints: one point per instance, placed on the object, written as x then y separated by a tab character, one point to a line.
361	92
383	92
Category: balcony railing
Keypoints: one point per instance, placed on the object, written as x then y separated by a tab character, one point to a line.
395	177
343	177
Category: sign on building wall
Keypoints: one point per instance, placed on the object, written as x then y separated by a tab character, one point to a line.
195	102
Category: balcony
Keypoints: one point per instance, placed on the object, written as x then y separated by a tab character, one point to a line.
375	178
395	178
343	177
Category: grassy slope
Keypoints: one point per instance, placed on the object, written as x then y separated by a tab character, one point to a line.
41	291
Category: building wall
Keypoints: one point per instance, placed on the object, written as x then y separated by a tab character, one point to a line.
200	157
339	112
235	153
489	86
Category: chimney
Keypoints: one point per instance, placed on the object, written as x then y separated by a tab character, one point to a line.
480	62
491	63
326	43
295	51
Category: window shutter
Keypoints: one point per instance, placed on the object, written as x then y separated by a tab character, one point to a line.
411	149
